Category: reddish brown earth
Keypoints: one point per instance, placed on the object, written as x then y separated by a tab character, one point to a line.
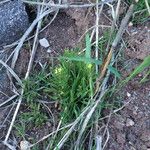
130	128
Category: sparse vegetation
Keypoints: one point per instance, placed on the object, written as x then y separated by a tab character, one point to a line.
77	89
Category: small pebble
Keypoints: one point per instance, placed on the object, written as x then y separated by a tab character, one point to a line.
24	145
129	122
130	24
49	50
135	110
128	94
44	43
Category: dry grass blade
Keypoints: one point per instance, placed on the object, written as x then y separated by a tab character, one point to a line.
104	67
68	133
123	26
10	99
13	119
88	117
47	136
11	72
10	146
98	143
106	141
148	7
35	44
117	9
65	6
97	32
5	1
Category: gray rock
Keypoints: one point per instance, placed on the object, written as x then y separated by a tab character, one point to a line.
13	21
3	80
3	75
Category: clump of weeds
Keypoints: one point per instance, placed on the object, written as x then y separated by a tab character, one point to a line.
72	85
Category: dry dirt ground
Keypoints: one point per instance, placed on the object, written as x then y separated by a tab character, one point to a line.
129	129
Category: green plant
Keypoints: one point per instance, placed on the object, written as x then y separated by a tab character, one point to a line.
34	116
145	78
20	129
104	41
145	64
141	14
72	84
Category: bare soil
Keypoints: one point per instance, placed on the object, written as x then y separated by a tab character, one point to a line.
130	128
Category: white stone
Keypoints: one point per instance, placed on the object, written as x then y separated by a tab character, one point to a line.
44	43
129	122
128	94
24	145
49	50
130	24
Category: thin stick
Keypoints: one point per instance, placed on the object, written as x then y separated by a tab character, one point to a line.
123	26
65	6
35	44
11	72
13	119
10	99
47	136
148	7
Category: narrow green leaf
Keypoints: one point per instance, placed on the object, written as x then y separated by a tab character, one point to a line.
83	59
88	46
94	61
114	71
140	68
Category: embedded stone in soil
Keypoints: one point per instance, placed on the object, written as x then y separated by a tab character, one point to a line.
13	21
